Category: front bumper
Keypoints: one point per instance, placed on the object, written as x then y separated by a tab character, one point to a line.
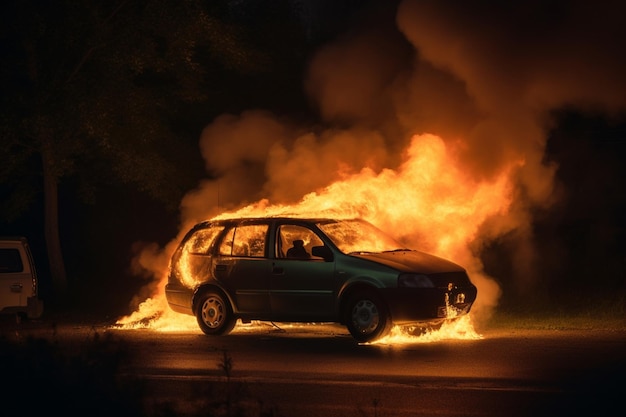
421	305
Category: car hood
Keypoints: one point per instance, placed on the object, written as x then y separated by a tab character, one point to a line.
412	261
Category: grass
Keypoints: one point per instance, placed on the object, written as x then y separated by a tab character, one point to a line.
609	316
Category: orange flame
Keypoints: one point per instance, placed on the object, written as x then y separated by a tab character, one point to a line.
427	203
461	329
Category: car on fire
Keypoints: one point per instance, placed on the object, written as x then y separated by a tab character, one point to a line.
344	271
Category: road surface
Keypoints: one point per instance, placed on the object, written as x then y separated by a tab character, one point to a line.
319	370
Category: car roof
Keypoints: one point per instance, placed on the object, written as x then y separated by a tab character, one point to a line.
275	218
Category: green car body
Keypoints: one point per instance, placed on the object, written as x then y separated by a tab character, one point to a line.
344	270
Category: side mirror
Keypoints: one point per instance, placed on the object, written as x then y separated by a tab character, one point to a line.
323	252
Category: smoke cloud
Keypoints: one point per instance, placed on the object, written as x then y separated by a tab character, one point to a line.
483	77
511	64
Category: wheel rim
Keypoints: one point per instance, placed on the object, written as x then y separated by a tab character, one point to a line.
213	312
365	316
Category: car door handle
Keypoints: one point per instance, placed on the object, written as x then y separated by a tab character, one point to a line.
16	288
220	267
278	270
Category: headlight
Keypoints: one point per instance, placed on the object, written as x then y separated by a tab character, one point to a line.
415	281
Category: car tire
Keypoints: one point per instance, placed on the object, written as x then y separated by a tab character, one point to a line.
214	314
367	317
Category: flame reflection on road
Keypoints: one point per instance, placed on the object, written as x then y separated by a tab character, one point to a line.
460	329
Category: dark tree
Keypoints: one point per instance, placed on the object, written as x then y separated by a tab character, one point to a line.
91	90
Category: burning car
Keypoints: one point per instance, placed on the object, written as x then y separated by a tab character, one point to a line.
287	269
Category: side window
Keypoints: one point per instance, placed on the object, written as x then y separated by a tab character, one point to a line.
296	242
200	243
246	240
10	261
192	262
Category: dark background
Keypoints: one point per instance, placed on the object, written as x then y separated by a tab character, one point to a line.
582	238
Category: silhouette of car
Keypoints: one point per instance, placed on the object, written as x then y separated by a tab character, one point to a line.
355	275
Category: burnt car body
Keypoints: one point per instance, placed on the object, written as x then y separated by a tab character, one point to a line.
350	273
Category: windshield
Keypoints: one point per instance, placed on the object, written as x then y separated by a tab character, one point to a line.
358	236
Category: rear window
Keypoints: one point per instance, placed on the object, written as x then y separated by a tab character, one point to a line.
10	261
201	241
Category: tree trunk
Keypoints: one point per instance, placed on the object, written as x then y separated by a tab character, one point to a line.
51	221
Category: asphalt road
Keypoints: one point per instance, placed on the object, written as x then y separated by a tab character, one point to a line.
323	372
319	370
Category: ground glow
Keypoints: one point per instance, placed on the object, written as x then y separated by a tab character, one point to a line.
171	322
461	329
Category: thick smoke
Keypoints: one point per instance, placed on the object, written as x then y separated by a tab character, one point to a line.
511	64
483	76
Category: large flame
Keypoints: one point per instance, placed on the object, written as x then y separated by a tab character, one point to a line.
485	79
427	203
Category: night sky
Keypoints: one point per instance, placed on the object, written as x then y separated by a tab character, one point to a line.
284	91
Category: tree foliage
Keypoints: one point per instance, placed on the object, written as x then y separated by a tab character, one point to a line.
91	90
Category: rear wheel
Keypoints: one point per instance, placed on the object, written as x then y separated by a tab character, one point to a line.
367	317
214	314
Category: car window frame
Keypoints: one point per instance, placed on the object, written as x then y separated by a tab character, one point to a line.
242	248
281	244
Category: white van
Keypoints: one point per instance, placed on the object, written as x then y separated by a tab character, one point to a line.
18	279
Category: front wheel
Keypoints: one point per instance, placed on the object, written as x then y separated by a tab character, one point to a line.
367	317
214	314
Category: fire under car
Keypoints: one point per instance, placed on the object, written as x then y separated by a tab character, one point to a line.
289	269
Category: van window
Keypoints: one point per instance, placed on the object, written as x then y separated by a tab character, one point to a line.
10	261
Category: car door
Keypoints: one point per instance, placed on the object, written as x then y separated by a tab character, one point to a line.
303	288
242	267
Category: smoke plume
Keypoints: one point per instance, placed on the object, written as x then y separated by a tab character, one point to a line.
481	76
